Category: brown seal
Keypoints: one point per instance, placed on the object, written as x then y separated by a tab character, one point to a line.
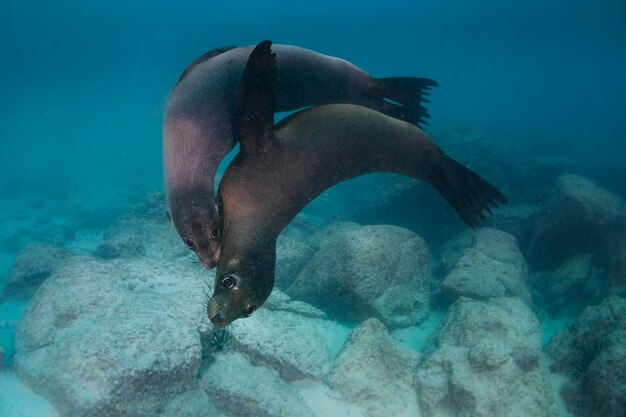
198	131
281	168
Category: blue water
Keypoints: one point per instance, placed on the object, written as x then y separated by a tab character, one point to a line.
83	87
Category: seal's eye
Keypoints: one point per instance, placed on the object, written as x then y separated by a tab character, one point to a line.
250	309
215	233
188	243
228	282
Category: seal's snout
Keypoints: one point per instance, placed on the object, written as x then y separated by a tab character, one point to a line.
214	315
209	264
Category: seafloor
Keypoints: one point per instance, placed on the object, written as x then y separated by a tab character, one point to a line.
385	304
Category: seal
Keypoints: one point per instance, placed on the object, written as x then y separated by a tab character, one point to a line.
198	130
280	169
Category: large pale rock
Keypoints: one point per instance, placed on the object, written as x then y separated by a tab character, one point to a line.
112	338
240	389
292	344
491	267
488	363
150	235
33	265
291	256
591	352
279	301
452	250
193	403
585	201
370	271
122	244
372	372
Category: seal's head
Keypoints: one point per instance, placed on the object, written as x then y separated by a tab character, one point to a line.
198	224
242	284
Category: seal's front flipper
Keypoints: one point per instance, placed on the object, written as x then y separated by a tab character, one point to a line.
402	98
467	192
254	115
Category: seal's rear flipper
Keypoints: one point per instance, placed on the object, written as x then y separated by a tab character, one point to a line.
402	98
467	192
253	120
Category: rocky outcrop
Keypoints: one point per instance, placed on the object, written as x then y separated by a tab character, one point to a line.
292	344
146	234
291	256
370	271
240	389
488	363
575	282
591	352
279	301
584	218
112	338
121	245
372	372
491	267
193	403
33	265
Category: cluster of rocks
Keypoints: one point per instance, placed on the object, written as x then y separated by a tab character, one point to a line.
33	264
484	264
123	331
487	362
591	352
582	219
360	272
128	335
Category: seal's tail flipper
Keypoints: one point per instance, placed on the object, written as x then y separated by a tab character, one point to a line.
402	98
467	192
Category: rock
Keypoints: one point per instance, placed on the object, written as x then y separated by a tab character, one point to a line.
33	265
491	267
586	201
488	363
194	403
279	301
321	237
303	226
116	338
516	219
591	352
452	250
370	271
135	236
575	282
372	372
582	218
293	345
291	256
239	389
121	245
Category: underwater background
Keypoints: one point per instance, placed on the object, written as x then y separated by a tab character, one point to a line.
101	309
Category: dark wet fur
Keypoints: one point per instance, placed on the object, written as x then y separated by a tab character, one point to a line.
203	58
